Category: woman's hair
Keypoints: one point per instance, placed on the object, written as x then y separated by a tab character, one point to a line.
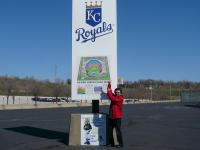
118	89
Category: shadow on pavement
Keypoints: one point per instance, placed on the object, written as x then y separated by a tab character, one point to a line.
194	106
43	133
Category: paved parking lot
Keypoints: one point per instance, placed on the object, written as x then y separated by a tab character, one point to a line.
169	126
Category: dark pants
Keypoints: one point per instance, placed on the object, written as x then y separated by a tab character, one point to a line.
115	123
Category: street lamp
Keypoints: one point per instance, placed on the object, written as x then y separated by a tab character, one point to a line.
151	89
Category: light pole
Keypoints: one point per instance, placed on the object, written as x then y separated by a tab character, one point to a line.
151	89
170	90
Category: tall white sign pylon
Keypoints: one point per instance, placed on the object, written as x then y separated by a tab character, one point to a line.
94	48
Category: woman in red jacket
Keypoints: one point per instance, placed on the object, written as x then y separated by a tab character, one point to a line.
115	113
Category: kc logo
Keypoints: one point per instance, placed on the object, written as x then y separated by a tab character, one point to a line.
93	18
93	13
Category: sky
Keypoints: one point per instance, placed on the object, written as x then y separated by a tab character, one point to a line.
157	39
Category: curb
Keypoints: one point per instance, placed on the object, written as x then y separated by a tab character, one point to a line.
38	106
65	105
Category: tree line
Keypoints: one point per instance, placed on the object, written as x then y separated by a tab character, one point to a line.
157	89
141	89
29	86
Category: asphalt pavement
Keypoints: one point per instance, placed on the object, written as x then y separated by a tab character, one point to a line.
169	126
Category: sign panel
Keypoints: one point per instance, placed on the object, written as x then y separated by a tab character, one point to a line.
93	129
94	48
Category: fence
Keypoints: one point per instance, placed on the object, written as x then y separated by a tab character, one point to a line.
190	97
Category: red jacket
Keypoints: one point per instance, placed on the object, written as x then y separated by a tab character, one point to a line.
116	104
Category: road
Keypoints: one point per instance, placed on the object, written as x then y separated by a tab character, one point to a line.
169	126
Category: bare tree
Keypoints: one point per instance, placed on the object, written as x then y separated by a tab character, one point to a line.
56	92
69	81
68	92
128	93
35	90
8	86
13	95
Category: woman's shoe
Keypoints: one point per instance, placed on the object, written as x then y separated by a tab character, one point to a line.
119	146
110	145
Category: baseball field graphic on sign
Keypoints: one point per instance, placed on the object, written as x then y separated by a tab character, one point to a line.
93	68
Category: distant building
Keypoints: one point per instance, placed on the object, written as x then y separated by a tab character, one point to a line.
120	81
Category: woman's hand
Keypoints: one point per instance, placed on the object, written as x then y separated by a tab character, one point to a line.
109	85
